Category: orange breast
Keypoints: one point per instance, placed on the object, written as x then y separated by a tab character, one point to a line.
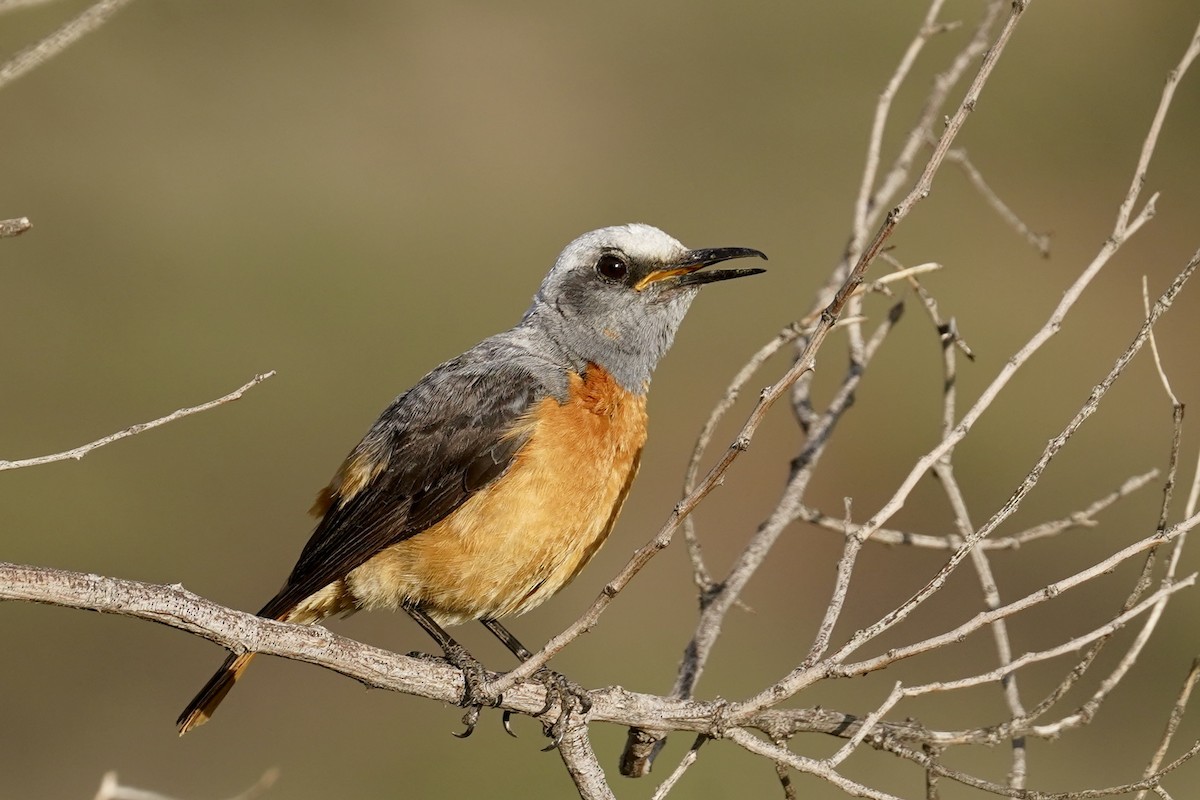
517	542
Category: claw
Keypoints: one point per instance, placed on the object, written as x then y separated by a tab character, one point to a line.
506	720
470	719
569	695
474	680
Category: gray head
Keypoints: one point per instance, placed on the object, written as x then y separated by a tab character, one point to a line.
616	296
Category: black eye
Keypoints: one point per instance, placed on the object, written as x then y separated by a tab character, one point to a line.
612	267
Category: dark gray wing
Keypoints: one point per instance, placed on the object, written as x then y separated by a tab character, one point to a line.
431	449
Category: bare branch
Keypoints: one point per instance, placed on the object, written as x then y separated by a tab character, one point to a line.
1073	645
1121	231
862	205
819	768
1084	518
786	336
1162	373
1173	721
14	227
1123	223
579	757
1085	712
927	461
1049	592
1039	241
1032	794
931	112
16	5
688	759
868	724
111	789
944	471
947	331
716	606
239	631
841	587
835	666
77	453
91	19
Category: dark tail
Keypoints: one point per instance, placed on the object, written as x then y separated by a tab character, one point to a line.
205	703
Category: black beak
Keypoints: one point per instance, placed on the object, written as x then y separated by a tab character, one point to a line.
696	260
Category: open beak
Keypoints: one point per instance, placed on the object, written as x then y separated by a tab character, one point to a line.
687	269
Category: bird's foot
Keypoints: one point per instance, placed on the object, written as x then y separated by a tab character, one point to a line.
475	694
568	695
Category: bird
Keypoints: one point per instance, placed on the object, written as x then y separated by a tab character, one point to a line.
484	489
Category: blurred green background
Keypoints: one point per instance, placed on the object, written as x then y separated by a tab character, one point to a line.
349	193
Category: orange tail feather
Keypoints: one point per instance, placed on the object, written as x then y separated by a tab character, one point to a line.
207	700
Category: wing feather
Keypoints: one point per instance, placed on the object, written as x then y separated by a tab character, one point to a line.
445	439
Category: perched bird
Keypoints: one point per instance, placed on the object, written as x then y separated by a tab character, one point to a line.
485	488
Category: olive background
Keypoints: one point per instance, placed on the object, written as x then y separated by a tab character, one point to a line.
349	193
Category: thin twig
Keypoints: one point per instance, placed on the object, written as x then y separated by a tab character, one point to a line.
819	768
862	204
77	453
111	789
835	665
16	5
783	771
784	337
716	604
14	227
947	331
1084	518
1185	692
841	587
944	470
1087	710
931	777
688	759
91	19
1032	657
868	725
927	461
1039	241
1162	373
931	113
1160	114
940	769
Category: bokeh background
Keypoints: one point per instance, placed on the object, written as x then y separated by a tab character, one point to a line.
349	193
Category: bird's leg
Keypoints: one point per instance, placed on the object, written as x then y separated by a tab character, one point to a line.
558	686
474	674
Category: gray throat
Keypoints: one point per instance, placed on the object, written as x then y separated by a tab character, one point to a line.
628	349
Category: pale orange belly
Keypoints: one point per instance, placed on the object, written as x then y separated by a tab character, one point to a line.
517	542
